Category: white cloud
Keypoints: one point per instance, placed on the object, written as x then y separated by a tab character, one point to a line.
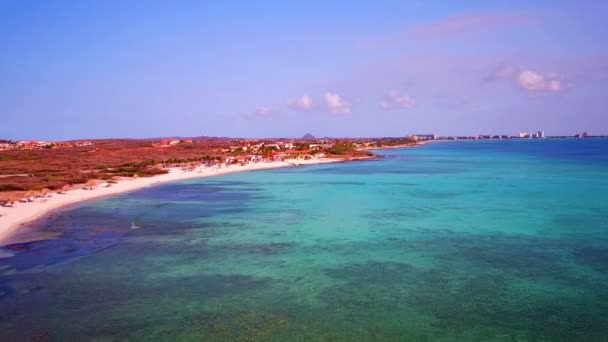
531	80
396	100
336	104
303	103
555	85
535	81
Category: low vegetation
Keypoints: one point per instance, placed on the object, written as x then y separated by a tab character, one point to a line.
23	170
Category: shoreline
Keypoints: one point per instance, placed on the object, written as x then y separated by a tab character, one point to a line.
14	219
394	147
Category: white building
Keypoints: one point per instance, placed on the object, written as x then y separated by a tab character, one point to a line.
425	136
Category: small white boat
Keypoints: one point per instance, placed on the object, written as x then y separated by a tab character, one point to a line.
134	226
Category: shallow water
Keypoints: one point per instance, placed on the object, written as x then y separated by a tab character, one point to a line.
497	240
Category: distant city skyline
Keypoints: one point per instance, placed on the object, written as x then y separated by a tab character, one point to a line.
112	69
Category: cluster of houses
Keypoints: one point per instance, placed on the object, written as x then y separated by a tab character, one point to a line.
255	147
255	152
282	146
275	156
36	144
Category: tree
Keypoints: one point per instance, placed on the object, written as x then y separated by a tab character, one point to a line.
302	146
341	147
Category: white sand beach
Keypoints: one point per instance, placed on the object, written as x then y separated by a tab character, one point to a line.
13	218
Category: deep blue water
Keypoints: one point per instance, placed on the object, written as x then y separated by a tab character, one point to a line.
454	241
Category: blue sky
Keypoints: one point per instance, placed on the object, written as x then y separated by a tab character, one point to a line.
105	69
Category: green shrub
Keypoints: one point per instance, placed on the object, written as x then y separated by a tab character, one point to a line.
10	187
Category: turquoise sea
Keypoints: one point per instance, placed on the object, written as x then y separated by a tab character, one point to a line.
454	241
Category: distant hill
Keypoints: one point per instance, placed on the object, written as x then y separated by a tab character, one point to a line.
308	136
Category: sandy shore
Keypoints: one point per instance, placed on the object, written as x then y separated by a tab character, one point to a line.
13	218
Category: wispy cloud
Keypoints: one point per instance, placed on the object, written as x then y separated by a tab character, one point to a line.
503	72
590	69
395	100
264	112
467	22
337	104
451	26
331	103
303	103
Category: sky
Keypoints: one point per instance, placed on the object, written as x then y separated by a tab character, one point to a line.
138	69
